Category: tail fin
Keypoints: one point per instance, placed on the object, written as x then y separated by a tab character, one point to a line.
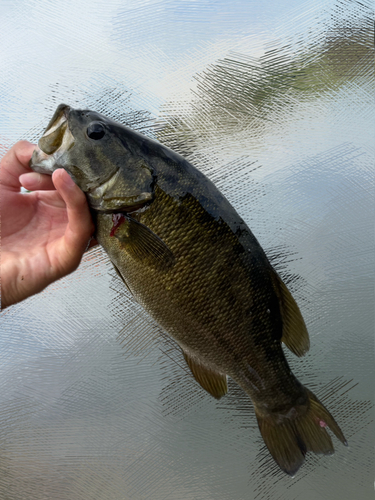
289	441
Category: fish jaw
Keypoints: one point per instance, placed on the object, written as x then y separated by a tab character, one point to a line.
41	162
56	140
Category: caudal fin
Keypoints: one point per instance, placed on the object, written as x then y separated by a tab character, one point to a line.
289	440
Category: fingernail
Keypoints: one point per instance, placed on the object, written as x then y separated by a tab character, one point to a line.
69	181
25	177
31	177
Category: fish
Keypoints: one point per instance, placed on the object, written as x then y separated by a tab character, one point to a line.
190	260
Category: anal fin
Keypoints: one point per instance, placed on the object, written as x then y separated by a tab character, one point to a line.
213	382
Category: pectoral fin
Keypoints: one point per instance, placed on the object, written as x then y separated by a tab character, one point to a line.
294	335
213	382
141	242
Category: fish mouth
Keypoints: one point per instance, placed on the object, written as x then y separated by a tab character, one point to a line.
55	141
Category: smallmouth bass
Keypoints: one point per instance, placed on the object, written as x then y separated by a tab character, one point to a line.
194	265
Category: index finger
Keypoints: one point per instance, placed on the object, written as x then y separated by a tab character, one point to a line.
15	163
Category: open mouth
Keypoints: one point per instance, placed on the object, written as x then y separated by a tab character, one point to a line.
53	137
56	139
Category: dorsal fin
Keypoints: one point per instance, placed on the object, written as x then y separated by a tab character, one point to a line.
294	334
213	382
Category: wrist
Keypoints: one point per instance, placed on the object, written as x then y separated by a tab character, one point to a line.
14	284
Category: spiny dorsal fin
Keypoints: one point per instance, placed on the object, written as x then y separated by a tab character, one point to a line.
142	243
295	335
213	382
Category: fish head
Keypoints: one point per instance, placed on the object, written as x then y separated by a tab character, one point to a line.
100	155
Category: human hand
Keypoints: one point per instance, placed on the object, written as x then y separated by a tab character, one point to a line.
44	233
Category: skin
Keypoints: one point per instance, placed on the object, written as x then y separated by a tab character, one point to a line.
218	297
44	233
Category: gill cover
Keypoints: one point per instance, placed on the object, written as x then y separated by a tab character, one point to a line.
129	188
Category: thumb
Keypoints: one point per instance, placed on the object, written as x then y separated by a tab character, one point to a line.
80	226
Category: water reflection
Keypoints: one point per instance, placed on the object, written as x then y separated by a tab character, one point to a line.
96	401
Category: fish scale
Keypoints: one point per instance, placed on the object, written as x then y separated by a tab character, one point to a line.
197	269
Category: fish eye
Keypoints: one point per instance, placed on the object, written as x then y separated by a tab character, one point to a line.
95	131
